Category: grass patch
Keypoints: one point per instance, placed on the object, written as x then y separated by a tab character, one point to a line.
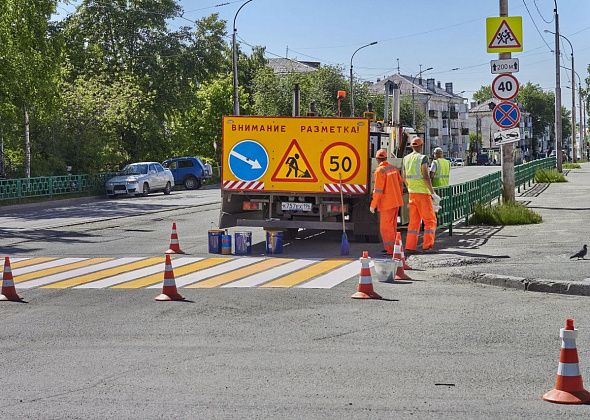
512	213
548	176
568	165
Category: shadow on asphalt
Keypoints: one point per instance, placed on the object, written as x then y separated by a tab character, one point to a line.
40	235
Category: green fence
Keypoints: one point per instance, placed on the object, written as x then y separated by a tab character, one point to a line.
457	200
49	186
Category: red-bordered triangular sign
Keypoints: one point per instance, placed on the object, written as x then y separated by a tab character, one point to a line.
511	42
294	166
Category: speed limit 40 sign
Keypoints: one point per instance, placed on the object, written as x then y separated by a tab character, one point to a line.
505	87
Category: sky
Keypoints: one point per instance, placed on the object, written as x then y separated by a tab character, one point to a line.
445	35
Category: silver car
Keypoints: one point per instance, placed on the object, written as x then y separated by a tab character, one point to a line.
140	179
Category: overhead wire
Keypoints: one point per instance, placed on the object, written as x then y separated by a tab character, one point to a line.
539	12
535	24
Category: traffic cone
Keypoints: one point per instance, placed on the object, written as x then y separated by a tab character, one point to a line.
397	255
169	291
8	292
569	388
174	244
365	286
405	264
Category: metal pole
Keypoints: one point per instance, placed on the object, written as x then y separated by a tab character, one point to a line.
574	153
558	122
507	150
235	62
351	85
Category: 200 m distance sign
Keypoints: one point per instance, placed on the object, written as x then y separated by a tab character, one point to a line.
505	87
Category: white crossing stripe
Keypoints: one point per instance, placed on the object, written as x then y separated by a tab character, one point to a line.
212	271
78	272
43	266
136	274
273	273
333	278
16	259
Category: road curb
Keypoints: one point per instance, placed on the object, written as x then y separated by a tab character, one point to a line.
579	288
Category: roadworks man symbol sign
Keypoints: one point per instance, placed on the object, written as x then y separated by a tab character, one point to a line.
294	166
504	34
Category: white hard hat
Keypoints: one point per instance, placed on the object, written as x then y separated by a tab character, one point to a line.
438	149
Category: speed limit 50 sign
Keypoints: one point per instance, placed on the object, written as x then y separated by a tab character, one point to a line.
505	87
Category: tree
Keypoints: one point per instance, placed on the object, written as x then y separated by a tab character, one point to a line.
541	106
475	144
483	94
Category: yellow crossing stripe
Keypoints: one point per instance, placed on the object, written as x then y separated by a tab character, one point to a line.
32	261
239	273
87	278
180	271
305	274
59	269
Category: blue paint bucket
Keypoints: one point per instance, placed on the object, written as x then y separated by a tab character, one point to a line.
274	242
214	237
226	244
243	243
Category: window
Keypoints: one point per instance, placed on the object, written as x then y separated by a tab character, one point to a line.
153	167
444	123
171	165
185	163
433	113
159	167
434	132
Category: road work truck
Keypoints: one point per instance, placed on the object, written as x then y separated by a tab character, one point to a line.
286	173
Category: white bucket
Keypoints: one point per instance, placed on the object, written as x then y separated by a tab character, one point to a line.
385	269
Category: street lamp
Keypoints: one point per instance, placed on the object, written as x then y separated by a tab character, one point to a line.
573	96
235	62
413	97
351	85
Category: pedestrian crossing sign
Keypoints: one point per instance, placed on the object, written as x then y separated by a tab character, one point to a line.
294	166
504	34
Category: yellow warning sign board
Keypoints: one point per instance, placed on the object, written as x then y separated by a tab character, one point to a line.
504	34
294	154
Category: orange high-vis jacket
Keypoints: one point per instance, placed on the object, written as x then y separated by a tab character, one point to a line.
387	193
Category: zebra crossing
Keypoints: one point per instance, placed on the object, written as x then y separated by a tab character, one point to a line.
190	272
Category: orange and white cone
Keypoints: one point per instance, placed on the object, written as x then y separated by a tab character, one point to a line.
405	264
400	274
174	244
365	286
569	388
8	291
169	291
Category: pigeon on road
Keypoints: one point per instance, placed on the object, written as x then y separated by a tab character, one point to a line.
580	254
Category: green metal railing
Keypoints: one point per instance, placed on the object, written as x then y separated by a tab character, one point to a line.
457	200
49	186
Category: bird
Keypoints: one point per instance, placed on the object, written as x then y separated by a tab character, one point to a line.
581	253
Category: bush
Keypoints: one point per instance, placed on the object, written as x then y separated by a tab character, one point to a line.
571	165
549	176
512	213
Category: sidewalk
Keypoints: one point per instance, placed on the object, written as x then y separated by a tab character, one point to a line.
529	257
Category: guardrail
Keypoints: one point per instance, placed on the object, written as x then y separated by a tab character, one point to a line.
457	200
49	186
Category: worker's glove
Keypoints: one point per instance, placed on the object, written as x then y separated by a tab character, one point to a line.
436	208
372	210
435	198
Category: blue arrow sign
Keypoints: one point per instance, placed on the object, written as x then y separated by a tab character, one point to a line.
248	160
506	114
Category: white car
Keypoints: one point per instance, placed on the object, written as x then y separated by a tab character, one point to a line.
459	162
140	179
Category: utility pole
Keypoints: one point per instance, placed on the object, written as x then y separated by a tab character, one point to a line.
508	183
574	153
558	122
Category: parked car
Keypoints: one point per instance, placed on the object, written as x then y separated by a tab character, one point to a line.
459	162
483	159
140	179
189	171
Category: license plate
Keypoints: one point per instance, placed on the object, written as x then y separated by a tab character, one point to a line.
292	206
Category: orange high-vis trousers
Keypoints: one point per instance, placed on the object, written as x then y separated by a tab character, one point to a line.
420	206
388	228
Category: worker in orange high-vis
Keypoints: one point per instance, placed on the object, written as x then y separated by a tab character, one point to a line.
417	178
387	198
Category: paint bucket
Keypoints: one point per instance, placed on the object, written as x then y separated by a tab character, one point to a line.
274	242
214	237
226	244
243	243
385	269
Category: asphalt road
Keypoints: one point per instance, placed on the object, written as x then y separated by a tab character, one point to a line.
436	348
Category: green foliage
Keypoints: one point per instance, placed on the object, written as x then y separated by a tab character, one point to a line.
569	165
483	94
503	214
549	176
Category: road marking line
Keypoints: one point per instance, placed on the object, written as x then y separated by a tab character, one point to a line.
239	274
87	278
59	269
43	266
271	274
333	278
77	272
29	261
111	281
301	276
234	264
159	277
14	260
